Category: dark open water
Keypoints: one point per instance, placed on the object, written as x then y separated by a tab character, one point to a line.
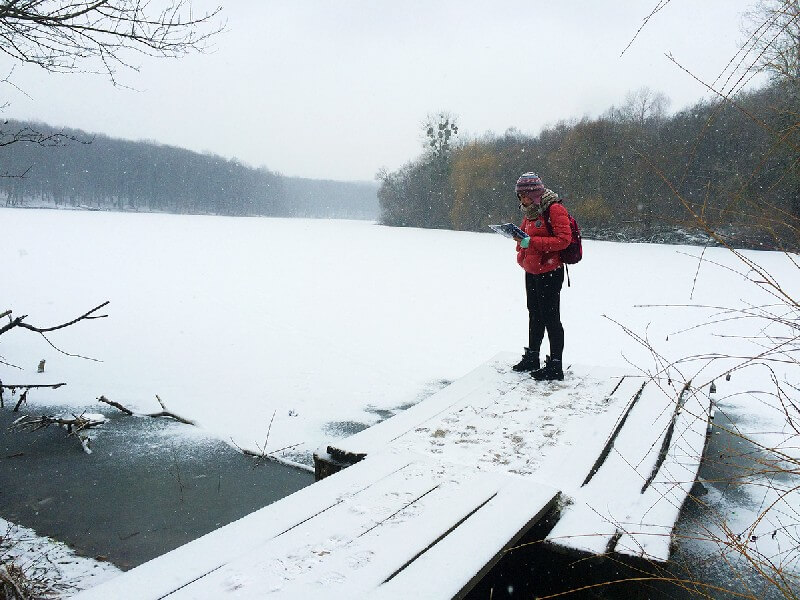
150	485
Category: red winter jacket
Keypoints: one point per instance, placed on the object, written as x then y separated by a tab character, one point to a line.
542	254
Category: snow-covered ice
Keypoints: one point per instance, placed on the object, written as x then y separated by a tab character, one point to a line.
250	326
231	321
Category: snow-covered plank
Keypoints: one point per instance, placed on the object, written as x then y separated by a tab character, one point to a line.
529	428
584	438
504	420
609	503
365	541
661	502
490	375
473	548
164	574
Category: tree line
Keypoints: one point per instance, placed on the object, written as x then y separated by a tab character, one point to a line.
71	168
731	160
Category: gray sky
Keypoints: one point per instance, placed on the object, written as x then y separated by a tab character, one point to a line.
338	89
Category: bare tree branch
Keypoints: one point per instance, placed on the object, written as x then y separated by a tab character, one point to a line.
18	322
98	35
163	413
74	426
117	405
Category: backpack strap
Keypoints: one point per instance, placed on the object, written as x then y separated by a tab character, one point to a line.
546	218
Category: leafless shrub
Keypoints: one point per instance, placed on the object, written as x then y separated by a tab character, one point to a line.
770	471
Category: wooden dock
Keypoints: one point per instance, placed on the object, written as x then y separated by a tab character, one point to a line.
427	501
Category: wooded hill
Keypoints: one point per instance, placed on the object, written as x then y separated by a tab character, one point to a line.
623	174
65	167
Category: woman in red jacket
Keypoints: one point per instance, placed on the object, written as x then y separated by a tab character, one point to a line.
547	225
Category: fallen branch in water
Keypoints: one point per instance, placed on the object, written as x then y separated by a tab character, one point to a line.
74	426
116	405
163	413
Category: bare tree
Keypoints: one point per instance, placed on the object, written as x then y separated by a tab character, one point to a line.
641	106
95	36
99	35
774	38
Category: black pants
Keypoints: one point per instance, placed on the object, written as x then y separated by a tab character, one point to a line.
544	310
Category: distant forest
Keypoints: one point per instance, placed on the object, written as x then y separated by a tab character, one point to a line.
72	168
734	163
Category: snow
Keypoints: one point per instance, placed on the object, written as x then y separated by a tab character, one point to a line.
50	565
231	321
269	330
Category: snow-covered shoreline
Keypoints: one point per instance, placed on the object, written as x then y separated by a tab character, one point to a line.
50	566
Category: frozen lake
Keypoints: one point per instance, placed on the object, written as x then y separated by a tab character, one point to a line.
307	329
285	334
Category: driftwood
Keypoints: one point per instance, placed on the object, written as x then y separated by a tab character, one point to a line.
115	405
162	413
74	426
80	423
262	454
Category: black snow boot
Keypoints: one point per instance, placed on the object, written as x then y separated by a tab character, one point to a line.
529	362
550	371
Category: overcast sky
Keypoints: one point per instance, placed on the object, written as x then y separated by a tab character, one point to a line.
339	89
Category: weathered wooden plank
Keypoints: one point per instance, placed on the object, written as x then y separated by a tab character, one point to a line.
508	423
473	548
582	445
603	508
358	545
662	500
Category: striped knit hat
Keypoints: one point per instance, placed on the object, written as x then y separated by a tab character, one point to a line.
529	182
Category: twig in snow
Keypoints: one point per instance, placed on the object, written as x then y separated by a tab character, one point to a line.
64	352
171	415
23	397
9	582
